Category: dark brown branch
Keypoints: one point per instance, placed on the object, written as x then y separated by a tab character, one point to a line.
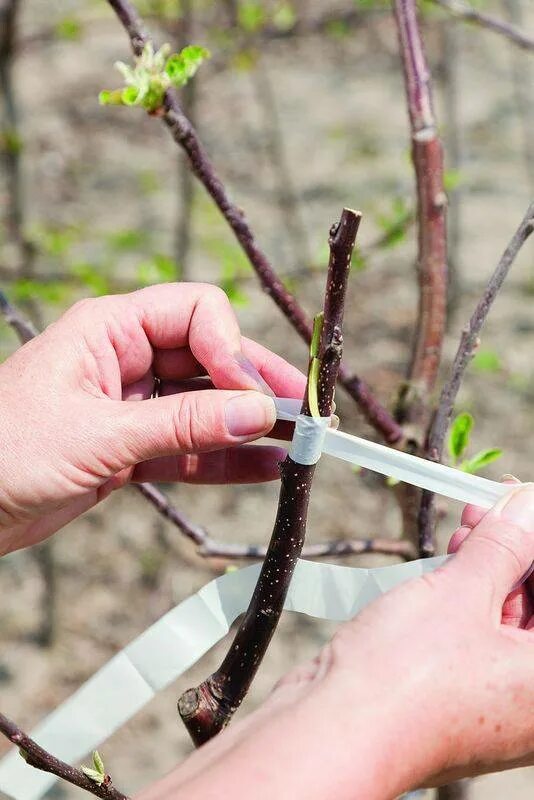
427	158
9	129
186	136
208	708
467	13
22	327
37	757
459	790
466	349
210	548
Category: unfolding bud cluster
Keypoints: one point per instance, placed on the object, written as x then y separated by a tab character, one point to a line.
152	74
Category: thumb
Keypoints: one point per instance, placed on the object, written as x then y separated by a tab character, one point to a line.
191	422
499	551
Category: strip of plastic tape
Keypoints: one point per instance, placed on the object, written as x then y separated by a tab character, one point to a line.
174	643
417	471
308	439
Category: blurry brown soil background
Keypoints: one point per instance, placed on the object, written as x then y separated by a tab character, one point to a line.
299	128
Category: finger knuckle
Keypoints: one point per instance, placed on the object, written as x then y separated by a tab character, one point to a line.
190	421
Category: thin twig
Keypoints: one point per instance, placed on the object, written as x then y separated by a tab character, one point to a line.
186	136
467	13
22	326
211	548
208	708
466	349
36	756
427	156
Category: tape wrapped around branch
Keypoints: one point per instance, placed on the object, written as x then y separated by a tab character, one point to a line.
308	439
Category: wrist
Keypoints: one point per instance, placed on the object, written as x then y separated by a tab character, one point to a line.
372	736
332	741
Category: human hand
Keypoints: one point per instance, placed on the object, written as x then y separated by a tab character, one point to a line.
73	428
431	683
440	671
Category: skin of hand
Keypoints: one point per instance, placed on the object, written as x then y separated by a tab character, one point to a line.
431	683
73	424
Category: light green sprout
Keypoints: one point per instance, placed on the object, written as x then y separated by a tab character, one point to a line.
97	772
152	74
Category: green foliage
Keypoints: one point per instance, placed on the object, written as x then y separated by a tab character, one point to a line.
395	223
55	241
91	277
96	773
459	435
152	74
458	442
452	179
337	28
50	292
11	141
372	4
245	59
234	264
251	15
480	460
158	269
284	16
68	28
127	239
358	260
487	361
148	181
229	283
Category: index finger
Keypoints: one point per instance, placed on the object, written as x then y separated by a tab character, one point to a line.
169	316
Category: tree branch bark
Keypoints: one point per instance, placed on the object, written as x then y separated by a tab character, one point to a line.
211	548
37	757
467	13
427	156
208	708
185	135
466	349
413	408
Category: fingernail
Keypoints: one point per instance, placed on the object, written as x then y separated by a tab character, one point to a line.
334	422
518	506
250	370
249	413
508	478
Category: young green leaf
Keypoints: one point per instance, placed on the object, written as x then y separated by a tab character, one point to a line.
480	460
459	435
98	763
93	775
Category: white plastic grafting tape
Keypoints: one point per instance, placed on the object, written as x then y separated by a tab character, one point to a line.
437	478
174	643
308	439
